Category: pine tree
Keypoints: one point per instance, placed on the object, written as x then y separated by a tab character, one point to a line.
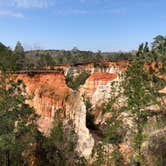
19	48
141	87
59	148
17	122
19	53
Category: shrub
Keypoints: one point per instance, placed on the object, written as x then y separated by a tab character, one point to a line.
75	82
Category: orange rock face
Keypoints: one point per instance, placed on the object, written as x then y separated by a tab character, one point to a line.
95	80
49	91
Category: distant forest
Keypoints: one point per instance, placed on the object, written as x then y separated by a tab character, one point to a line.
44	59
47	59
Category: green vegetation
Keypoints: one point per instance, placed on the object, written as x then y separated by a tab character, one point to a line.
46	61
19	49
117	158
157	150
17	121
100	156
141	87
75	81
113	131
20	141
40	59
59	148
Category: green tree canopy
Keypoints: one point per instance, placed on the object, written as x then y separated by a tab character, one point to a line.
19	48
17	120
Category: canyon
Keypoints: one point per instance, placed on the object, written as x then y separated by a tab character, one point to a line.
51	93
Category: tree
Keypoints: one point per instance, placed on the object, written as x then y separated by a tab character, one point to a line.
141	87
144	52
17	121
19	54
75	49
19	49
46	61
59	148
108	149
159	47
98	57
75	81
8	60
114	131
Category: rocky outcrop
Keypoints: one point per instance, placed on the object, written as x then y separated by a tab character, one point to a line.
76	111
51	93
97	86
154	148
48	91
96	81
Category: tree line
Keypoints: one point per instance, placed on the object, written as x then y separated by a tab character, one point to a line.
47	59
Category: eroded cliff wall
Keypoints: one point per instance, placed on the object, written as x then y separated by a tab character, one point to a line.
50	93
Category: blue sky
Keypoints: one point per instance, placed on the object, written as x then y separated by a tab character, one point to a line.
107	25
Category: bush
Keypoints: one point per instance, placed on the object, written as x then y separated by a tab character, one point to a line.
75	82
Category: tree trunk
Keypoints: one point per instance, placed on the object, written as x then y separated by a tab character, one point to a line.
7	158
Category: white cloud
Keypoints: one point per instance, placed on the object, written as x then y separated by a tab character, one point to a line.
9	13
33	3
71	12
7	6
27	3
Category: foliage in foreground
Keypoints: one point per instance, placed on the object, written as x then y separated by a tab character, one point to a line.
17	120
59	148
